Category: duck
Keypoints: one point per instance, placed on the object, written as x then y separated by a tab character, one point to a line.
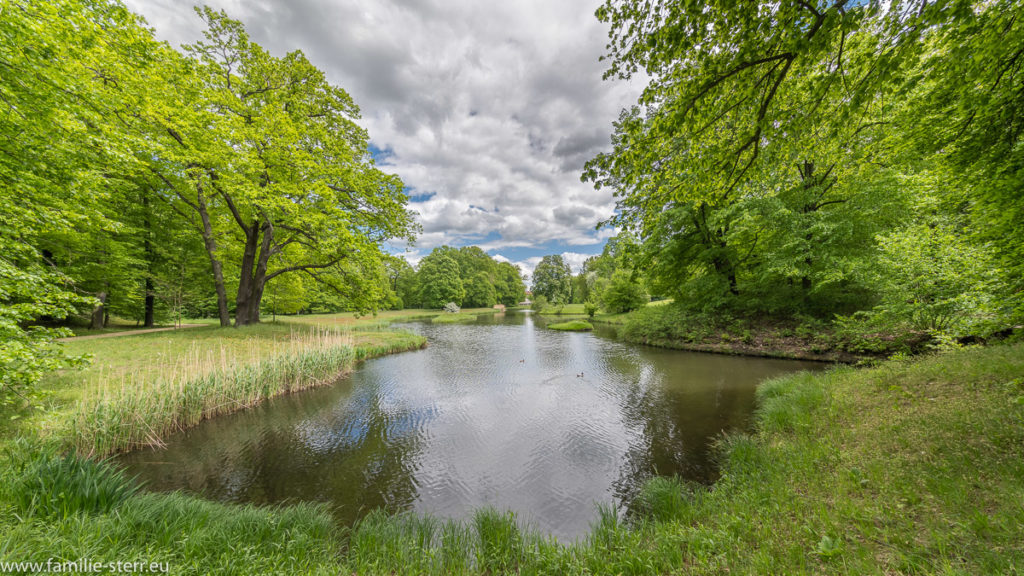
580	375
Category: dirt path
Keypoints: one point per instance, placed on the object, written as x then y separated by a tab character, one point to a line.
130	332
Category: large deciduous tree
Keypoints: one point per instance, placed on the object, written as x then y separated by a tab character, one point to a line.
440	281
268	157
552	278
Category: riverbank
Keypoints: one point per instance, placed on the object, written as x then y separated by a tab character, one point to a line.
139	389
800	338
915	466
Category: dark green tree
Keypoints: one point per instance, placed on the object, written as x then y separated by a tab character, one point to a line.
479	292
440	281
552	278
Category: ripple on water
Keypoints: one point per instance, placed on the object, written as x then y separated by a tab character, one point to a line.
502	413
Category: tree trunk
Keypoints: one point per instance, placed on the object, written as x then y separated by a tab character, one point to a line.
725	268
243	312
211	250
99	312
148	317
254	273
149	320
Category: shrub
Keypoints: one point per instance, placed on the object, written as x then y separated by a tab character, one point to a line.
452	308
623	294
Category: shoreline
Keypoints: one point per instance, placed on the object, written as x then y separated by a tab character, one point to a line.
148	411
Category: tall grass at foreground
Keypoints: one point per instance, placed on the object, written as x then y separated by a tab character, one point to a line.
914	467
143	408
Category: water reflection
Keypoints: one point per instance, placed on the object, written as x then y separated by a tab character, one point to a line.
502	412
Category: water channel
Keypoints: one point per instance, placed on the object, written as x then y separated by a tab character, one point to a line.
501	412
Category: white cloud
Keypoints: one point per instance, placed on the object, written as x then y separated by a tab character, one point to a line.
493	107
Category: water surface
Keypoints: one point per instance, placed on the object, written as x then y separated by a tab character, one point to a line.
503	412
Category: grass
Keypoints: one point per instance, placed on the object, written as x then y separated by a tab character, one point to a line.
458	318
143	409
572	326
564	309
140	388
912	467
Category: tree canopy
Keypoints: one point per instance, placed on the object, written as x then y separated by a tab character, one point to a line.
781	151
146	181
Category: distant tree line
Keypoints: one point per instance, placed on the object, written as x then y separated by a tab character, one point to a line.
607	280
466	276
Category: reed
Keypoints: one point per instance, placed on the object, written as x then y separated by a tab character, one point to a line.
143	406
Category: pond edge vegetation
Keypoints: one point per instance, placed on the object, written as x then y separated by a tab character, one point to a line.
145	411
817	487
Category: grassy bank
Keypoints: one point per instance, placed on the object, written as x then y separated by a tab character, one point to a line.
673	326
913	467
140	388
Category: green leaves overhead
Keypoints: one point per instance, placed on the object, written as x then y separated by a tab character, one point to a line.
779	149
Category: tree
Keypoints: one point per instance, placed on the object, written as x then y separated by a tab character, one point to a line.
623	294
60	138
270	152
439	281
479	292
509	286
552	278
765	155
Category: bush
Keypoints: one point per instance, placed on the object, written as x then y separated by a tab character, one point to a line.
623	294
540	302
590	309
452	308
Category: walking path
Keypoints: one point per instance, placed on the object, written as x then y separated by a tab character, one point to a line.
130	332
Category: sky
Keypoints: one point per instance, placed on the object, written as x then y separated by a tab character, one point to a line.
487	110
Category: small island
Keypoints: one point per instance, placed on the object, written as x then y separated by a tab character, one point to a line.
572	326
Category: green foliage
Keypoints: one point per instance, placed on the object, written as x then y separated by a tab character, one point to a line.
572	326
484	281
936	280
539	302
44	484
509	286
623	294
589	308
778	152
552	279
439	281
480	292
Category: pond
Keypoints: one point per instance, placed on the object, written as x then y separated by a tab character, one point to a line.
502	412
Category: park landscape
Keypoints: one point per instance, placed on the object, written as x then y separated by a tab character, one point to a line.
796	349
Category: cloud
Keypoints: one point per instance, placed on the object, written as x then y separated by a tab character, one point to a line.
487	110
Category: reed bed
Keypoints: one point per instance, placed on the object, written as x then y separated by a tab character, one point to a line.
144	406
